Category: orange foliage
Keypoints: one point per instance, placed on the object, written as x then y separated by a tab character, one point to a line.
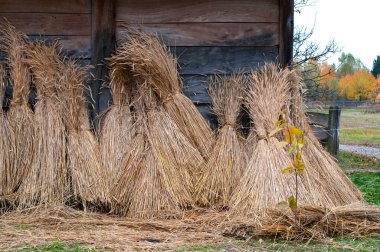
376	89
358	86
326	74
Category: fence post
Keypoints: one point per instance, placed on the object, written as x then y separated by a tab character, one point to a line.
333	129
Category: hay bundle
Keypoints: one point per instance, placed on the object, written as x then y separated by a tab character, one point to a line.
318	223
156	180
151	61
20	115
47	180
116	126
6	142
226	161
263	184
89	179
327	181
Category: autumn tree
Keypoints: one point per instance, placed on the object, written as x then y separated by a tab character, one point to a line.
357	86
348	64
376	89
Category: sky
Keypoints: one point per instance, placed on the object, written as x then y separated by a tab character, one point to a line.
353	24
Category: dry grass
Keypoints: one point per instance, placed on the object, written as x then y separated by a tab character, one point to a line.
116	130
36	226
90	181
6	141
159	165
151	61
318	223
20	116
225	165
327	181
263	185
47	180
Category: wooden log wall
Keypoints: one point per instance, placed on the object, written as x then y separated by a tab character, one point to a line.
207	36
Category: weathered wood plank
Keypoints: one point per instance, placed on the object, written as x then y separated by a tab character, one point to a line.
215	34
66	6
286	32
222	60
50	23
174	11
103	44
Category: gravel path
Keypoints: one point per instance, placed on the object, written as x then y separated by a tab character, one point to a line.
363	150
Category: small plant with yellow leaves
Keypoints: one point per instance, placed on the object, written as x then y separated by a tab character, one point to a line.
293	142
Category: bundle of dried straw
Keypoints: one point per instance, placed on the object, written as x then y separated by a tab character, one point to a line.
318	223
263	185
6	142
226	161
47	180
116	130
90	181
327	181
156	180
20	115
151	61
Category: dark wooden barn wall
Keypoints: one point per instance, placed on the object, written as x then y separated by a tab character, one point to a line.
207	36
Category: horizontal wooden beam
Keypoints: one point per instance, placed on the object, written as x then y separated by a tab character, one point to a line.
210	34
174	11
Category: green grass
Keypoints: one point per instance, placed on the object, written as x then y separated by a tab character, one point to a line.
348	161
360	128
369	185
55	246
339	244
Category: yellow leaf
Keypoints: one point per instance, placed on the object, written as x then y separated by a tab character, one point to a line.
295	131
287	169
281	145
298	155
288	136
290	150
292	202
301	168
301	141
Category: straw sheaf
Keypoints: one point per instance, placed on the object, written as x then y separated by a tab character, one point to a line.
327	181
115	138
151	61
224	166
89	178
20	116
116	129
263	185
6	143
47	181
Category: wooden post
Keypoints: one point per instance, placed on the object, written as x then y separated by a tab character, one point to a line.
333	130
103	44
286	32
